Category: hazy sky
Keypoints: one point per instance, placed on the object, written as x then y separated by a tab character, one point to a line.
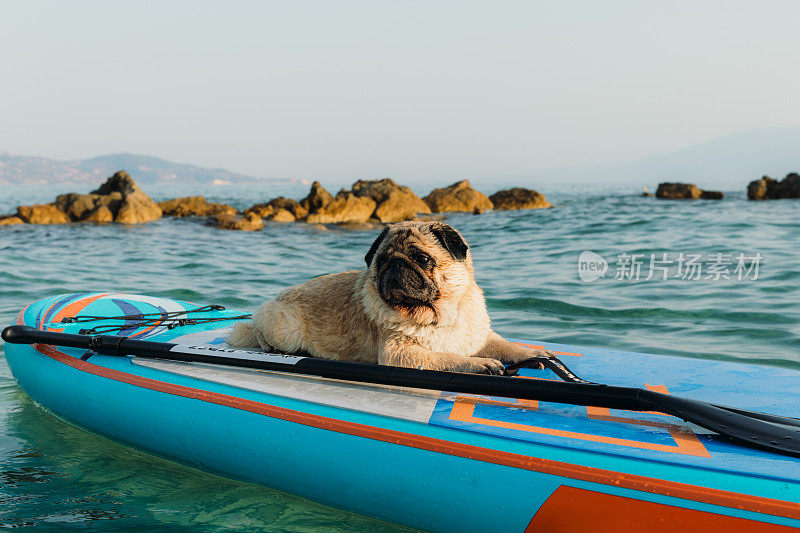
416	90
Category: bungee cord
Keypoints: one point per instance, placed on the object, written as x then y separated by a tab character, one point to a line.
169	320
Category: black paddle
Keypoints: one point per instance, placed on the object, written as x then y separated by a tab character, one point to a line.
770	432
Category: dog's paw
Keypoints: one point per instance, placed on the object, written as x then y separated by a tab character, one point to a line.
483	365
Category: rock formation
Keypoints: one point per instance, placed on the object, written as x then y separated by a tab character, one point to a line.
281	215
771	189
685	191
457	197
518	198
119	199
79	206
248	222
101	214
270	208
317	198
394	202
762	189
369	202
345	208
10	220
136	207
194	206
41	214
711	195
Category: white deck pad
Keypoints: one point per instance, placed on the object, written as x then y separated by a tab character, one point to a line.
233	353
396	402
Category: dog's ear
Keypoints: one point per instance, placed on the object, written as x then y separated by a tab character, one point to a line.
374	248
451	240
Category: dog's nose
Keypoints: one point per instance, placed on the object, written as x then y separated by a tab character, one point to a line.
393	277
404	275
402	282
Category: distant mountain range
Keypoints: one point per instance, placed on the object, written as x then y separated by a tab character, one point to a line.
28	170
728	161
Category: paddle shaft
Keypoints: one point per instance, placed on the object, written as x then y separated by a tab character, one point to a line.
544	390
733	423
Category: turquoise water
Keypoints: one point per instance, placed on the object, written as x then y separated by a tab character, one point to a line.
54	475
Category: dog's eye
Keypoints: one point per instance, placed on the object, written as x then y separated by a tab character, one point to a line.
422	260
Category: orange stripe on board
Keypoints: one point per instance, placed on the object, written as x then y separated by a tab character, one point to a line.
673	489
44	315
155	325
75	307
540	347
599	512
463	410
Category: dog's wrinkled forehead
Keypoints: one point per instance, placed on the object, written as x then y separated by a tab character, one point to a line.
404	234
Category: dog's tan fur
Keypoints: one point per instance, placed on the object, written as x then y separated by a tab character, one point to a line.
343	316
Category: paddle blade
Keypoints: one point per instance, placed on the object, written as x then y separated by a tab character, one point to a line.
749	430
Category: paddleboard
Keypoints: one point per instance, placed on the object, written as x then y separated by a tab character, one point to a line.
435	460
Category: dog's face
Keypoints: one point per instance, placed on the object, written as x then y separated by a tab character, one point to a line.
420	270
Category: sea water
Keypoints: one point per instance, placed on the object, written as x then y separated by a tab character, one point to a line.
604	267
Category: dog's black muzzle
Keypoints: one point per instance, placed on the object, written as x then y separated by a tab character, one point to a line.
403	283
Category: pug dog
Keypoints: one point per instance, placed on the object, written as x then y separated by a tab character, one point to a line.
416	305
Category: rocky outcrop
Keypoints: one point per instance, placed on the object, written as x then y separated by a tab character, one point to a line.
317	198
518	198
136	207
457	197
118	198
711	195
789	187
101	214
763	189
80	206
10	220
771	189
272	207
345	208
400	205
194	206
369	202
247	222
41	214
394	202
678	191
281	215
685	191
